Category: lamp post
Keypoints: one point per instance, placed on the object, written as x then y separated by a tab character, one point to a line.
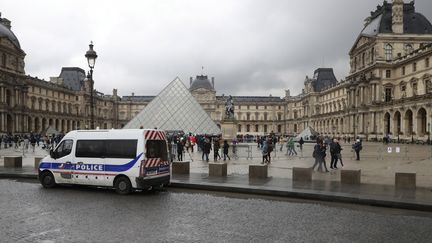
91	59
398	131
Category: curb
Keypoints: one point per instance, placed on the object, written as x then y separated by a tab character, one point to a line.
342	198
18	176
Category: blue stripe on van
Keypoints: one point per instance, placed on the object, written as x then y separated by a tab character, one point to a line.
96	167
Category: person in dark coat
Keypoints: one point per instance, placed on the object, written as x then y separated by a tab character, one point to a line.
319	154
216	147
357	148
206	148
180	150
335	150
301	142
225	150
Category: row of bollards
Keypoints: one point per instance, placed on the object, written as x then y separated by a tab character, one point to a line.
352	177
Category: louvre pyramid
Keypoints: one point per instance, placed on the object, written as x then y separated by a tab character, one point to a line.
174	108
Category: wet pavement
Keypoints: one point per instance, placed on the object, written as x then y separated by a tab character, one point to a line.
30	213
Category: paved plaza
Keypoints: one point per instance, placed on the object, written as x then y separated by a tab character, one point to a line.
377	164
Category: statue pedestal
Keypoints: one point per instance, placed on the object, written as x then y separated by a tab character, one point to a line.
229	129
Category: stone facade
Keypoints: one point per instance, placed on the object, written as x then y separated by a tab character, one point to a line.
388	90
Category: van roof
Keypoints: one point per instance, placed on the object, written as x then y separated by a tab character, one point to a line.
112	132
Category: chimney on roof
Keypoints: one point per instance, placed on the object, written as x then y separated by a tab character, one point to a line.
287	93
190	81
114	92
212	82
397	16
6	22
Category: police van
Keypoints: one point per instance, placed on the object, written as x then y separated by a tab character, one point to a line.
124	159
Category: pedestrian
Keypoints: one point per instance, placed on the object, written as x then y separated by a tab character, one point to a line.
216	147
270	147
319	154
301	142
225	150
282	142
33	142
206	149
264	152
357	146
291	147
179	150
335	150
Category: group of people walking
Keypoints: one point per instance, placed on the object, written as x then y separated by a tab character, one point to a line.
205	145
320	153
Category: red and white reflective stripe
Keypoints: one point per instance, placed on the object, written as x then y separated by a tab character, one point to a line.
155	135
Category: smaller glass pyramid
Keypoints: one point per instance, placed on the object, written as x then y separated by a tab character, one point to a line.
174	108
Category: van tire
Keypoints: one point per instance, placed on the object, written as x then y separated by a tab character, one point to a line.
123	185
47	179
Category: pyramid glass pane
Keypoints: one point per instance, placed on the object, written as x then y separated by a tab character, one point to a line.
175	109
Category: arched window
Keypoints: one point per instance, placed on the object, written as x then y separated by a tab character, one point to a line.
388	51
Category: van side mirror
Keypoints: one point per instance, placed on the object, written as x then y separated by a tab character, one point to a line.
53	154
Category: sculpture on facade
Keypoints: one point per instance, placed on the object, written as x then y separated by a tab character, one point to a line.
229	108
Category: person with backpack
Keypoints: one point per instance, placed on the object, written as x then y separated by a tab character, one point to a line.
357	146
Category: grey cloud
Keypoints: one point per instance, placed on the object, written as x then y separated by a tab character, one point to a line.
249	46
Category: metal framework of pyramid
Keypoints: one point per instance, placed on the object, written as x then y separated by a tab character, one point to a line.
174	108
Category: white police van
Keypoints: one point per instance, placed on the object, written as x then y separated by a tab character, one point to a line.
125	159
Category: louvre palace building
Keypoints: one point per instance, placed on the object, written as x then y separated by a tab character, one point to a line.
388	90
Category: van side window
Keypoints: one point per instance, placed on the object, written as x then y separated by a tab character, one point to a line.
90	148
156	149
64	148
125	149
119	148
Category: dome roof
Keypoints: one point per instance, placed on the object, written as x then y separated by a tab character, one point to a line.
380	21
6	32
201	82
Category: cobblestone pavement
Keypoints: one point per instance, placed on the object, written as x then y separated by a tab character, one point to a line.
377	165
30	213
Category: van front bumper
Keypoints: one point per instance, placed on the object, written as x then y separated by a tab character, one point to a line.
145	183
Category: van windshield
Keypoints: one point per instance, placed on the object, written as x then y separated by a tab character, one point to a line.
156	149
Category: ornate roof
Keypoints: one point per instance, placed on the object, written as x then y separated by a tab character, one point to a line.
201	82
72	77
5	31
323	78
380	21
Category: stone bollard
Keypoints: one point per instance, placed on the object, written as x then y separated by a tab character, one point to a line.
180	167
258	171
351	177
13	162
217	169
37	161
302	174
405	180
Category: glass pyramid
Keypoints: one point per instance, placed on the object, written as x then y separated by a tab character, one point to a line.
174	108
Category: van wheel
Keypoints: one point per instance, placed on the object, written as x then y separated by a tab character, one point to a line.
47	179
123	185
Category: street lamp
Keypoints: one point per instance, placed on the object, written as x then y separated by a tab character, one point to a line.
91	59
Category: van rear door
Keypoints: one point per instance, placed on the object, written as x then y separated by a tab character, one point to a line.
156	161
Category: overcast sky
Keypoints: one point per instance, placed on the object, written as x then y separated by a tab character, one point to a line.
250	47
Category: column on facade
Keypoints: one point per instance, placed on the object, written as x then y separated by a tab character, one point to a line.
2	94
3	122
